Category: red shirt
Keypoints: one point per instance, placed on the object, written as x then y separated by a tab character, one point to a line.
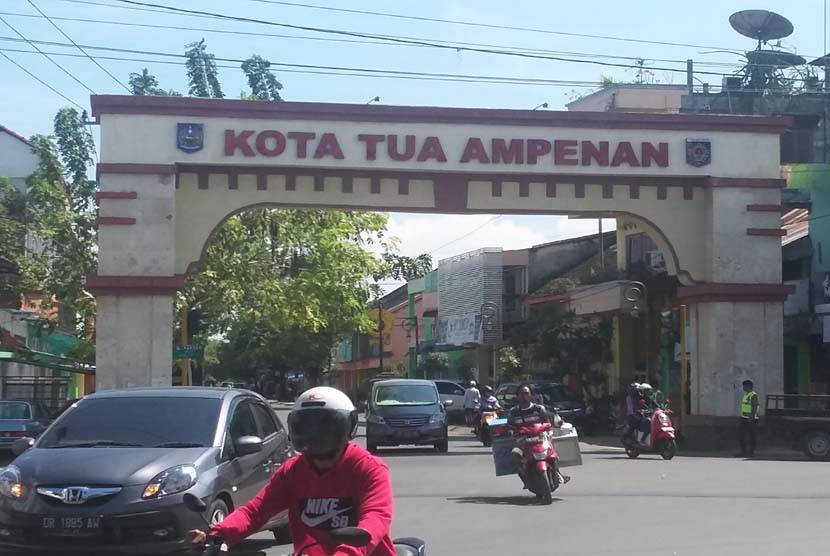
356	492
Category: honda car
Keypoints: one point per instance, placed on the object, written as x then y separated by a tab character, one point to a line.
110	473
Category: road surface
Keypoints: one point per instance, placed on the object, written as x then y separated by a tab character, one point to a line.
613	505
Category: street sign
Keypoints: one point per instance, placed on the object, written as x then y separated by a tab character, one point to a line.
189	351
6	354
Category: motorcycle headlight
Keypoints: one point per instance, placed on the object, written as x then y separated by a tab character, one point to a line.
176	479
10	483
540	455
437	418
664	419
376	419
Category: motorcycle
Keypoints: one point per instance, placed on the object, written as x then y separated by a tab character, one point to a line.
661	439
484	426
538	465
351	536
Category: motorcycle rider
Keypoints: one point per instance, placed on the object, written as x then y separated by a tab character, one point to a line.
646	405
528	413
488	400
332	483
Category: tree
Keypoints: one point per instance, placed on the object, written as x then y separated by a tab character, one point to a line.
401	267
434	365
263	83
145	83
202	73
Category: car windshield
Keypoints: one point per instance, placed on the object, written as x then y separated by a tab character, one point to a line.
400	394
545	394
15	410
138	421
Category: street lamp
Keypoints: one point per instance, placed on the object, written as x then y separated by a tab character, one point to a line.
489	320
634	292
408	324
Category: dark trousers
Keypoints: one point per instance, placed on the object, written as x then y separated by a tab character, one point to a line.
746	435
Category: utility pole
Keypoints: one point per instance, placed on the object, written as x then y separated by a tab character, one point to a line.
380	334
683	371
184	364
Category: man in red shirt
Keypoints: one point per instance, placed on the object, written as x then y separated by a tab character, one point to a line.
332	483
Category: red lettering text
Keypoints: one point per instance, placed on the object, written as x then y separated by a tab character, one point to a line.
659	154
432	149
371	144
328	146
277	145
234	141
625	155
591	152
475	151
537	148
514	154
564	152
394	153
302	138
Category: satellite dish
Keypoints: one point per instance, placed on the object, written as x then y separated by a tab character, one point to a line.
774	59
761	25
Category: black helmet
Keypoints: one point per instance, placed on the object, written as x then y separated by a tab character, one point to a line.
487	390
323	420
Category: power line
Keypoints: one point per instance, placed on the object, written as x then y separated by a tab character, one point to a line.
396	39
94	61
378	42
31	43
41	81
340	70
468	234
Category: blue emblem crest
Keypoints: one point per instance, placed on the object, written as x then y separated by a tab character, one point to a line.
698	152
190	137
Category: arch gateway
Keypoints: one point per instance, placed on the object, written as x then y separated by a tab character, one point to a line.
705	188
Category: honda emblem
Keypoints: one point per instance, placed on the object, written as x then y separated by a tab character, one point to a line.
74	495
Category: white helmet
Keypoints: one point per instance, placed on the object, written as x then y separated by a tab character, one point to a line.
644	388
322	421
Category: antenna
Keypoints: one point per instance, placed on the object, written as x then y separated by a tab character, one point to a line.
763	70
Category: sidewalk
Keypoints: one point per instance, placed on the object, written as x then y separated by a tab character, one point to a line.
777	453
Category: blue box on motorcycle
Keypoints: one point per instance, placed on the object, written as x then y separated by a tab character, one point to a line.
497	422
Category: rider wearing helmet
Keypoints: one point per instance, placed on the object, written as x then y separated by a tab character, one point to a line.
332	483
488	400
645	405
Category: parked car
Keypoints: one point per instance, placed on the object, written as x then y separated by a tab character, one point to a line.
802	419
550	394
109	475
406	412
21	418
451	390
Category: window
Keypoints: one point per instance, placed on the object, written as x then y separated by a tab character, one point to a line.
449	389
138	420
15	410
265	418
405	394
242	422
506	395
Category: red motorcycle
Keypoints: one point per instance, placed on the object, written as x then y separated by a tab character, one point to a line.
661	440
538	466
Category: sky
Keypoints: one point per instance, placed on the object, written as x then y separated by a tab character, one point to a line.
699	30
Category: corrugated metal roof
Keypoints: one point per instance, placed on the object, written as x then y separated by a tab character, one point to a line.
797	224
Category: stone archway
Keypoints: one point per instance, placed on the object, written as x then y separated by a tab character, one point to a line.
706	188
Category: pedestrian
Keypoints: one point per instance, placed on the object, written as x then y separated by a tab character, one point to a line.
749	420
472	401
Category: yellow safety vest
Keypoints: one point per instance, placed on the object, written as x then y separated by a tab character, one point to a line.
746	404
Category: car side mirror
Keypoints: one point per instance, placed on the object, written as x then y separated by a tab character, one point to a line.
21	445
448	403
247	445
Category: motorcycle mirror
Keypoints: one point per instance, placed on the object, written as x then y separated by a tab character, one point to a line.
668	401
351	536
194	504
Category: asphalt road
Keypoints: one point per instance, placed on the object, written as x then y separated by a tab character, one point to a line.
613	505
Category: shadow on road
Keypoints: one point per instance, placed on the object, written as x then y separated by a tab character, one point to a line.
499	500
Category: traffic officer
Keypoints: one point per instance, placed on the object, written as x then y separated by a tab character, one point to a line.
749	420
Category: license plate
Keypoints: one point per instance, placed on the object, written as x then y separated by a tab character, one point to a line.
71	526
407	434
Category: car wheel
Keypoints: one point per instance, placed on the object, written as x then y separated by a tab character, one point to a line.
817	445
442	446
282	535
218	512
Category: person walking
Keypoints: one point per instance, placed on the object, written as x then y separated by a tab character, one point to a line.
749	420
472	401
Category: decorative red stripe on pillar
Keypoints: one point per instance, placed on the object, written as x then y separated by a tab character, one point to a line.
116	195
450	193
765	208
134	285
769	232
114	221
715	292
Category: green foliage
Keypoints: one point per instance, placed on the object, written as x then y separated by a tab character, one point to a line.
202	73
401	267
264	86
434	365
146	84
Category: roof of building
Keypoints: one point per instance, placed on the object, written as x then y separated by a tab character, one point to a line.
17	136
588	267
627	86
